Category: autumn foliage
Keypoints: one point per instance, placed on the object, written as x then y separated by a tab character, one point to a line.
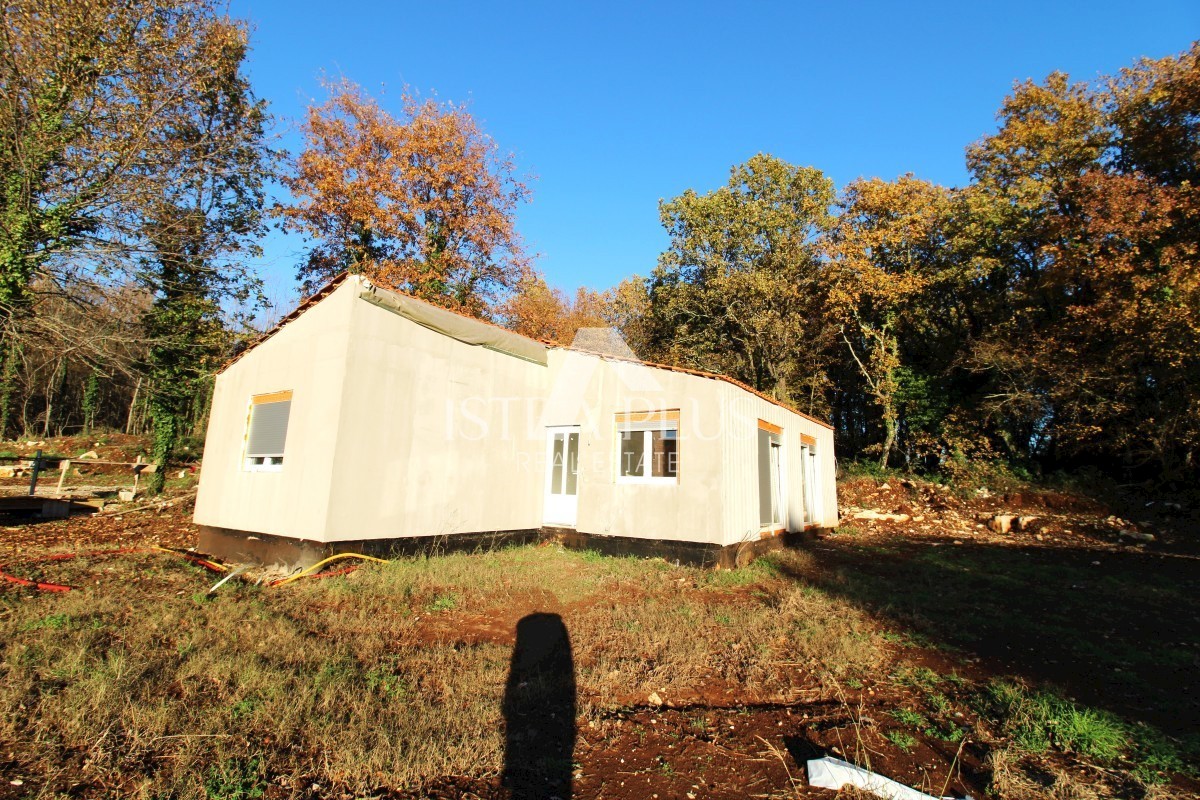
423	202
1047	313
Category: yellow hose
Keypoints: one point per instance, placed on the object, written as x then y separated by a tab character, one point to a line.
317	566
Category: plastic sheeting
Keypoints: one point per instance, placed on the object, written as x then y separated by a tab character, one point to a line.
833	773
456	326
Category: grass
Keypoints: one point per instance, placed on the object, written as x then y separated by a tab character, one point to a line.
141	683
1037	721
905	741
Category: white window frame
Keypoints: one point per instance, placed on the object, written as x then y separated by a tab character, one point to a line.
650	422
262	463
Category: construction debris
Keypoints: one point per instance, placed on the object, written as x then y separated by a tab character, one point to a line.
833	773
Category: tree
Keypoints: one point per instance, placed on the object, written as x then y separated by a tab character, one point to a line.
884	255
736	292
86	89
424	203
1089	220
208	211
541	311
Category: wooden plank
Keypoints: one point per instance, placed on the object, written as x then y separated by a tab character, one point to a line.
272	397
763	425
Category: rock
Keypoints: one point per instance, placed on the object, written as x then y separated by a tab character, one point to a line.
1027	524
1002	523
1141	537
182	473
983	492
89	454
125	495
8	472
885	487
654	699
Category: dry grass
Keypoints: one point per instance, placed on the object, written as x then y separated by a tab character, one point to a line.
140	686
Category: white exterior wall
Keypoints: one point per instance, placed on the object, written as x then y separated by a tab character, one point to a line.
397	430
716	497
589	391
308	357
436	437
741	459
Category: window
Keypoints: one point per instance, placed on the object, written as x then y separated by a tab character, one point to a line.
266	431
648	447
771	508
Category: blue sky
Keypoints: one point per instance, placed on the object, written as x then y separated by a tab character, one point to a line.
614	106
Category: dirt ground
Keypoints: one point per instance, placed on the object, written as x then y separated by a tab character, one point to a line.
1107	620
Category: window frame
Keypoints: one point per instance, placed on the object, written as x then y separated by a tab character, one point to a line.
646	423
263	463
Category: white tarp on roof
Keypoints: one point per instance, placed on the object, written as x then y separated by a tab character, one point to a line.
456	326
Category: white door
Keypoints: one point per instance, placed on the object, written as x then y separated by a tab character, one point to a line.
562	476
808	466
779	507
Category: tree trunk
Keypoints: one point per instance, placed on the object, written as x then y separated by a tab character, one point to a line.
8	377
137	387
890	426
166	430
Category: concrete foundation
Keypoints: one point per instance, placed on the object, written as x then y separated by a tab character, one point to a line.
261	548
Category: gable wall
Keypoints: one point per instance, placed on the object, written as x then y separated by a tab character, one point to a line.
435	437
307	356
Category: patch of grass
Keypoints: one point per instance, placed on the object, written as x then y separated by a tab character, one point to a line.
444	602
1037	721
905	741
917	677
233	690
236	779
908	717
245	707
758	571
53	622
845	530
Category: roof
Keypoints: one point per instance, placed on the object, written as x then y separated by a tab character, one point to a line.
483	333
716	376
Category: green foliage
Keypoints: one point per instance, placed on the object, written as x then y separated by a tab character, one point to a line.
909	717
1038	721
729	293
444	602
905	741
236	779
91	399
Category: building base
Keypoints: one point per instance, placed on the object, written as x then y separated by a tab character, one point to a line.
264	548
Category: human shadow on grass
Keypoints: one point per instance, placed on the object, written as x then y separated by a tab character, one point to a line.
539	711
1113	630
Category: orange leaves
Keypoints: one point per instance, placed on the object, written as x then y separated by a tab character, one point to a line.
538	310
424	202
